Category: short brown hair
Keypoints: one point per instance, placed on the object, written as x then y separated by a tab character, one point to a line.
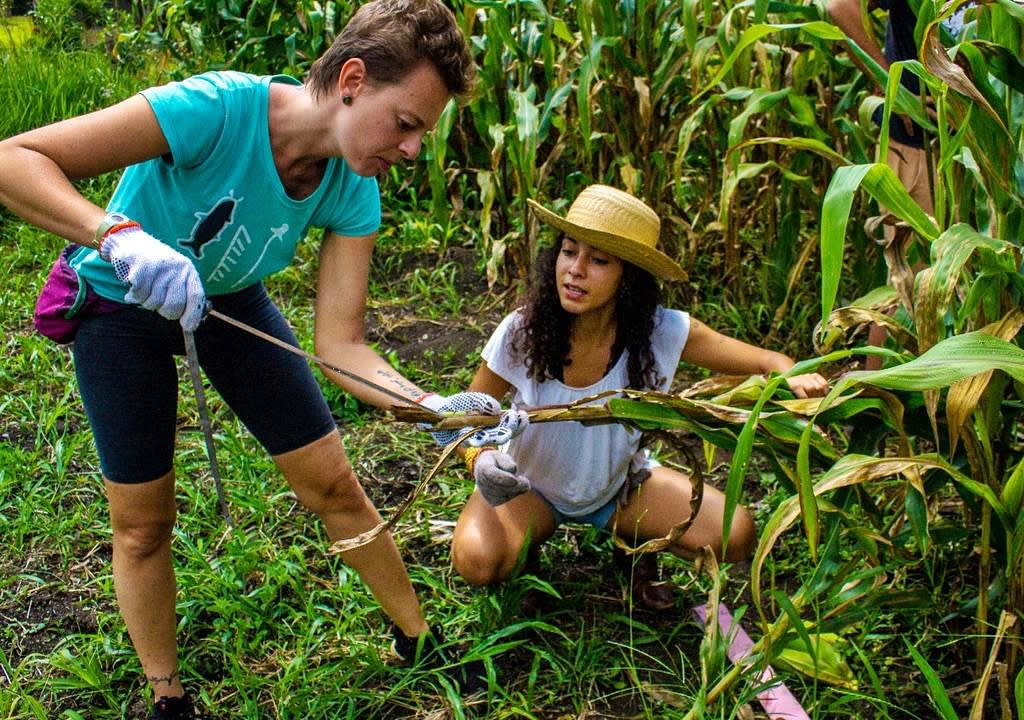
392	37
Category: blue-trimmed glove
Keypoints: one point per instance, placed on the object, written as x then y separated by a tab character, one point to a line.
511	424
497	478
159	277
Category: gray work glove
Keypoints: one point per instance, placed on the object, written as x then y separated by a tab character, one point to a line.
496	477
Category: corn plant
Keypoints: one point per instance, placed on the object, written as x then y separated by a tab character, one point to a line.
955	321
259	36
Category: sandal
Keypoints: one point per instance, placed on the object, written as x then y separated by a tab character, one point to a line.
647	589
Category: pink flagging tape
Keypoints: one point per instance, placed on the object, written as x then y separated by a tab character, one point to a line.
777	701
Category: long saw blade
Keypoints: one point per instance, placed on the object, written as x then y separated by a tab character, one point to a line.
319	361
204	420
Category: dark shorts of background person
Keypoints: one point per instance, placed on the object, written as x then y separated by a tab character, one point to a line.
128	379
900	45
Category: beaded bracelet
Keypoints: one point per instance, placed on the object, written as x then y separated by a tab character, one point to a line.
472	454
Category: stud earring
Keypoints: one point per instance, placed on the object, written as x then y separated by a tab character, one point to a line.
346	99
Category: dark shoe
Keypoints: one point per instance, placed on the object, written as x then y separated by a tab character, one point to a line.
428	652
173	708
647	588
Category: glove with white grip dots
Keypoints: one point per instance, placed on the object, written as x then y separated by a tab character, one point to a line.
159	277
497	478
511	424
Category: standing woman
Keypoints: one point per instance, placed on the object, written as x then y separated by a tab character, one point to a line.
224	173
592	323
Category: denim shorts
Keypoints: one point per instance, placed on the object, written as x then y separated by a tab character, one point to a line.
128	379
602	516
598	518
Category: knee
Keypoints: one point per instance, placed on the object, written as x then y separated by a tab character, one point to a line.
338	493
140	538
742	536
476	563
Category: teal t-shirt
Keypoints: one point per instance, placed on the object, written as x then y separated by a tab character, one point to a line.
217	198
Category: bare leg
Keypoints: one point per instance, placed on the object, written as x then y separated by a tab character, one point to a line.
142	517
488	539
322	478
663	501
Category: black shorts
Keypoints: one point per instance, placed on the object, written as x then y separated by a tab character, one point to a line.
128	379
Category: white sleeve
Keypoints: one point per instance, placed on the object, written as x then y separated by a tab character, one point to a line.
498	355
671	331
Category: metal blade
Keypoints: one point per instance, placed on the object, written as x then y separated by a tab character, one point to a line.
204	420
319	361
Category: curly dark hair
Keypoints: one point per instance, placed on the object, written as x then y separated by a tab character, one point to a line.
541	342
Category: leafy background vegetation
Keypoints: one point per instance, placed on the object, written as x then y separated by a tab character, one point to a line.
887	582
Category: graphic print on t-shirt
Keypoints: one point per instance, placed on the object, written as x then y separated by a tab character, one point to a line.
210	225
237	249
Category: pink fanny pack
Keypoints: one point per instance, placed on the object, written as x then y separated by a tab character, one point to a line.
66	299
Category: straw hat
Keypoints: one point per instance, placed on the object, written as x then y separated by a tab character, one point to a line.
617	223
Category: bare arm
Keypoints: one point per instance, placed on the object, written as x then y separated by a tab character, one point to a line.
340	321
722	354
848	16
488	381
37	167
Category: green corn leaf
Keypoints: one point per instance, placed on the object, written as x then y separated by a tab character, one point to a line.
740	458
883	184
801	143
835	214
953	359
805	495
1013	490
825	664
648	415
917	511
1018	693
759	102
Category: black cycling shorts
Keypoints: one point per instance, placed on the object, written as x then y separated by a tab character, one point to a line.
128	379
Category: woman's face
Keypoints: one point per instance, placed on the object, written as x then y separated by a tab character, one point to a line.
385	124
587	278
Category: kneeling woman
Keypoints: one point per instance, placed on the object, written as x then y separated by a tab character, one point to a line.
592	322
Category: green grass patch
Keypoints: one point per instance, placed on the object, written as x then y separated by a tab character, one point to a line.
14	31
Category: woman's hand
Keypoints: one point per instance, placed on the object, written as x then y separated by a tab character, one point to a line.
496	477
808	385
512	421
159	277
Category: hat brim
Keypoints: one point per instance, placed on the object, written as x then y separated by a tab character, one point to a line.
650	259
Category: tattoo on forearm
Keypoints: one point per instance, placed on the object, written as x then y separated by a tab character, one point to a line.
397	381
157	679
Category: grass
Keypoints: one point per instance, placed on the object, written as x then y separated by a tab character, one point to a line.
14	31
271	627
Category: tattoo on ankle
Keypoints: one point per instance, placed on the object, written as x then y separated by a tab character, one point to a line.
157	679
